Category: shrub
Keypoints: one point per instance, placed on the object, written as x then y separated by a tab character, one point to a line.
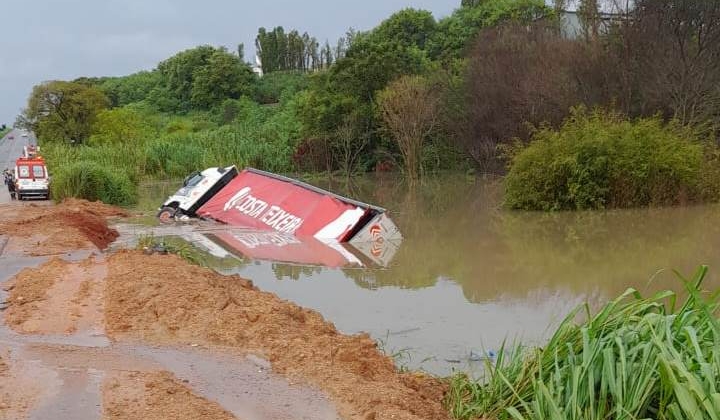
93	182
603	160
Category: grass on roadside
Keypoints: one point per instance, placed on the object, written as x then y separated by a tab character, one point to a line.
636	358
177	246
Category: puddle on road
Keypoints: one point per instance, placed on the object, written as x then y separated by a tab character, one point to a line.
468	274
78	397
246	388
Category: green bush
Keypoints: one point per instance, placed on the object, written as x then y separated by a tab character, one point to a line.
602	160
92	181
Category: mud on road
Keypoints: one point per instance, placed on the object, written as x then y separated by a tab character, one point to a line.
153	336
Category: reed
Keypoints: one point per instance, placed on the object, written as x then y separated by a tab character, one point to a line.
636	358
93	182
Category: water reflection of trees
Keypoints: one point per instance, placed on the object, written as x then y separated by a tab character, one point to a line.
454	228
201	256
293	272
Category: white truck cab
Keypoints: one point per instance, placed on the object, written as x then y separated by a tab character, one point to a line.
197	189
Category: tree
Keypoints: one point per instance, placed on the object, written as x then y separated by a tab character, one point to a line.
241	51
130	89
409	108
408	27
669	55
280	51
120	125
177	73
222	77
371	62
458	31
348	143
63	111
589	13
326	56
200	78
518	76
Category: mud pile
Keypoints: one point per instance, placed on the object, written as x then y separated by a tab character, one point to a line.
46	230
155	396
61	298
28	290
171	301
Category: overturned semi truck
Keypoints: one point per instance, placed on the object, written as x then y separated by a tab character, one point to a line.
264	201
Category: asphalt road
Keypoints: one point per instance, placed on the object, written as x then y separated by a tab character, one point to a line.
10	150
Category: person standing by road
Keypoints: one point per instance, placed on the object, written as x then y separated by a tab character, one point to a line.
9	180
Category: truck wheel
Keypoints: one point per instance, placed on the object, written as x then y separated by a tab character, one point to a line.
166	214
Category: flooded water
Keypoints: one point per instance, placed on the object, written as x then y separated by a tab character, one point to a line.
469	275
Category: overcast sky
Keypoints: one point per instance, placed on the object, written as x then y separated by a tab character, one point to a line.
64	39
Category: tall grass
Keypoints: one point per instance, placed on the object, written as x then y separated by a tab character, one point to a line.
263	137
636	358
92	181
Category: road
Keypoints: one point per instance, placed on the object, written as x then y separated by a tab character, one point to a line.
11	149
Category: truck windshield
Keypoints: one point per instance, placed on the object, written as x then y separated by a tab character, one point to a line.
194	180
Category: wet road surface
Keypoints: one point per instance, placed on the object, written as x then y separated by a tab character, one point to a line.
11	148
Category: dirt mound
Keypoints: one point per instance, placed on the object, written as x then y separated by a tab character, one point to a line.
155	396
71	225
28	290
97	208
59	297
171	301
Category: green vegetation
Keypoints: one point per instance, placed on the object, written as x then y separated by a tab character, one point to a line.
314	109
177	246
185	250
93	182
422	95
63	111
4	129
602	160
636	358
160	146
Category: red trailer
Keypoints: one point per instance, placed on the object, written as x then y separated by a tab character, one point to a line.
264	201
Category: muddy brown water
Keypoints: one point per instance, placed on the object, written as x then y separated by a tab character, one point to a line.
470	275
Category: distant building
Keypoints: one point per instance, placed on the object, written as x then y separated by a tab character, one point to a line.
571	24
257	68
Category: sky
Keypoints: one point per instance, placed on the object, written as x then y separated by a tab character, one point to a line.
65	39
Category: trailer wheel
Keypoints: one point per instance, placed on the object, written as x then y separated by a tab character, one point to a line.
166	214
